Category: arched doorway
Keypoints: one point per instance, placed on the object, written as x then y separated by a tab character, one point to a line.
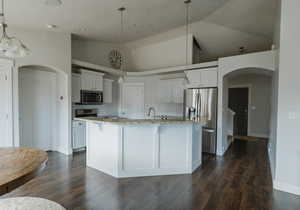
247	94
261	62
42	108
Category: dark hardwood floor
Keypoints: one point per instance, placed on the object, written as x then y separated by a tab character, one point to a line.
239	180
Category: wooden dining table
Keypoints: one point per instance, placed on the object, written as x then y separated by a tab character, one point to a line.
18	165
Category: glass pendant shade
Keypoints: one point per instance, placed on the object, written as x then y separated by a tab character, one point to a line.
17	53
121	80
12	47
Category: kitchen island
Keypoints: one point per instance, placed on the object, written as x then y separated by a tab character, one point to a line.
131	148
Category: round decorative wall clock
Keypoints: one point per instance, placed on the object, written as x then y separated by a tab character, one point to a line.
115	59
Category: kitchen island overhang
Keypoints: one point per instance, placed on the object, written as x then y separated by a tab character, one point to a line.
133	148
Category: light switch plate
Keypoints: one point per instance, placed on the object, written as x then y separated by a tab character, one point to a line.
292	115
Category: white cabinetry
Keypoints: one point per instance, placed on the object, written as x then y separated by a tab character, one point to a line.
91	80
203	77
107	91
76	87
132	100
133	150
171	91
79	135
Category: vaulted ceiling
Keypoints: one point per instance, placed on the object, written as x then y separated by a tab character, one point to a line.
100	20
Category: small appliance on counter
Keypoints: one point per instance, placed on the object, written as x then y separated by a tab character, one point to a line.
199	104
79	129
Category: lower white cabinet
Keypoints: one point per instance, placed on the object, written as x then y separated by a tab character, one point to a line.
79	138
143	149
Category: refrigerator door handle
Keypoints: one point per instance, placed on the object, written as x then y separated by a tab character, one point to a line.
208	130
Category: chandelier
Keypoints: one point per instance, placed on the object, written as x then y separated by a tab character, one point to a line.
10	46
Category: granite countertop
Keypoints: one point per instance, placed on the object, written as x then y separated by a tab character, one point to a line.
137	121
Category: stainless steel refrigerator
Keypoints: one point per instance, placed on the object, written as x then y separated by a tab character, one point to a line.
202	104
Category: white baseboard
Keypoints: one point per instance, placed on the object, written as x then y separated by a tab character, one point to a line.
224	150
196	164
285	187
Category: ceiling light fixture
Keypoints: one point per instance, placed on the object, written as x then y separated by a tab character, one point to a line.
54	3
123	73
51	26
10	46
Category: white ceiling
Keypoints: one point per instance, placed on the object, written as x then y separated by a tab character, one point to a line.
100	20
251	16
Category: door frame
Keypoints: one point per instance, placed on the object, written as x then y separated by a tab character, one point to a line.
52	78
7	66
249	86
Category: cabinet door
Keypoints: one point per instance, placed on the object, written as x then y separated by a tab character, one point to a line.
209	78
165	92
177	91
87	81
79	140
98	83
76	87
194	77
133	101
91	80
202	78
107	91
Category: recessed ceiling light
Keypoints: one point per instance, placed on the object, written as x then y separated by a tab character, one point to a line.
53	3
51	26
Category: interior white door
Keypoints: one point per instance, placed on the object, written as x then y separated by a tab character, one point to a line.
133	101
6	139
37	109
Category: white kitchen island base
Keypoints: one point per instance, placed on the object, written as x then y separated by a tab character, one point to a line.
144	149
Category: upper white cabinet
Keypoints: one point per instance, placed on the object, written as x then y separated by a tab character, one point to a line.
132	100
91	80
76	87
203	77
171	91
107	91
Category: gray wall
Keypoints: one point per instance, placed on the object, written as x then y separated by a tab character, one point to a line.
288	145
260	101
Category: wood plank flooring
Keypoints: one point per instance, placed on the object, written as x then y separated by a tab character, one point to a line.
239	180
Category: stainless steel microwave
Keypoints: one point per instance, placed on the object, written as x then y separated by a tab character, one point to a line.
89	97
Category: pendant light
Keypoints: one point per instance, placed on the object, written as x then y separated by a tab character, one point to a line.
10	46
187	18
122	77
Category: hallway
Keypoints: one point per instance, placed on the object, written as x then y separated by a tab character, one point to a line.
239	180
